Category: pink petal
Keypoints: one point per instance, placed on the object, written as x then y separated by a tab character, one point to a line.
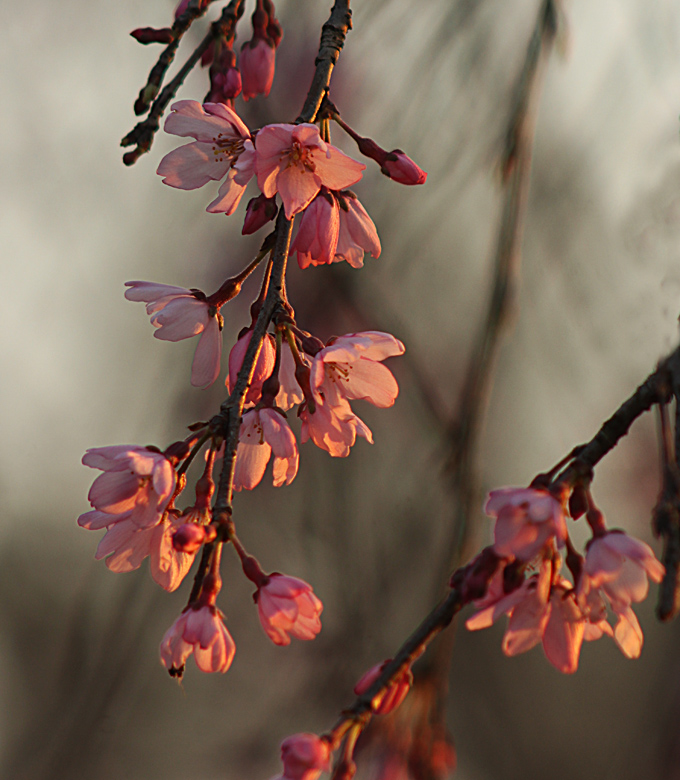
228	196
564	634
180	319
152	291
114	458
277	433
251	462
527	624
95	520
204	123
336	170
290	393
297	187
206	365
114	491
168	567
371	344
628	634
192	165
370	381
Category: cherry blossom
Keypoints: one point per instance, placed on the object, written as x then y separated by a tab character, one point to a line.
294	161
179	313
127	545
263	367
527	519
305	757
539	612
288	607
136	485
357	232
618	567
262	432
201	632
257	62
317	236
333	428
223	147
395	693
349	367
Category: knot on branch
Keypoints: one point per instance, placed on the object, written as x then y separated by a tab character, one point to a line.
333	35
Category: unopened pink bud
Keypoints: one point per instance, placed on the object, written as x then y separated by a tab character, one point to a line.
305	757
183	7
148	35
401	168
189	537
259	211
258	60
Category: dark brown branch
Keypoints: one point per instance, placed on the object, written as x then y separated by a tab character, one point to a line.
229	418
666	515
149	91
142	135
655	389
333	35
440	617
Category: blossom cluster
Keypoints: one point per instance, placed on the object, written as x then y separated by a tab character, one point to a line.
134	498
544	606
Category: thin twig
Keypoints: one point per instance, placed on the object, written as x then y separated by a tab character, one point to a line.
333	35
142	135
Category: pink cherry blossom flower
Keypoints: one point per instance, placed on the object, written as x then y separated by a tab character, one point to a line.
127	545
333	428
393	695
618	567
401	168
539	612
288	607
349	367
258	60
527	519
317	236
305	757
294	161
136	485
357	232
264	431
223	147
179	314
263	366
201	632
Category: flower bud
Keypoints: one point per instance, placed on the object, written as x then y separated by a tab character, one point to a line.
148	35
401	168
258	61
188	538
259	211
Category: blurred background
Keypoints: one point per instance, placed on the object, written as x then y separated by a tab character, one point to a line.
82	693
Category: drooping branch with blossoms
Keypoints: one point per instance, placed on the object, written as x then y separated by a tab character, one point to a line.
276	366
